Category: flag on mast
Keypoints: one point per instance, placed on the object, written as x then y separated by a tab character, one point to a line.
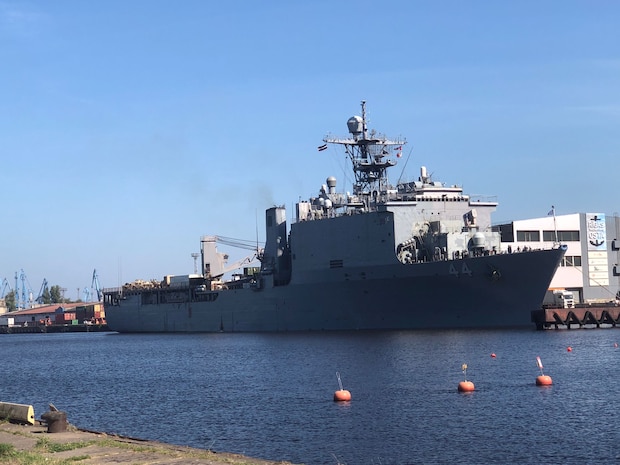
539	363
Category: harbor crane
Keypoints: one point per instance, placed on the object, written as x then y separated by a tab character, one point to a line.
5	285
42	292
95	285
22	301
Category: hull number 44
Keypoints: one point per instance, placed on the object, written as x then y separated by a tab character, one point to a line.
464	270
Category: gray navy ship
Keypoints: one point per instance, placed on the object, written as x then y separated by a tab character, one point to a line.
415	255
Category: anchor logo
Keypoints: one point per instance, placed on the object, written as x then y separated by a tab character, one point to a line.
596	231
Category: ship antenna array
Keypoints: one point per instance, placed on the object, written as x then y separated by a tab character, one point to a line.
369	153
364	124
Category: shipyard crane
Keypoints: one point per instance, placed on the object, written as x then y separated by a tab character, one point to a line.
22	301
195	256
5	285
40	298
95	285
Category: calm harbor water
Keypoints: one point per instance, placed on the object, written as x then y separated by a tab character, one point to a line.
270	395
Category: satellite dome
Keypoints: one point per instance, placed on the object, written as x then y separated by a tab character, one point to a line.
355	125
478	240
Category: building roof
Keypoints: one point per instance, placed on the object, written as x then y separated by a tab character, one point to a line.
53	308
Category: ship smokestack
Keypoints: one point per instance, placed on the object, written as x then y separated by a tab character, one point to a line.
276	257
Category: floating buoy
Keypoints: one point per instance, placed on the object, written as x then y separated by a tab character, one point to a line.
569	349
544	380
616	345
466	386
493	355
341	394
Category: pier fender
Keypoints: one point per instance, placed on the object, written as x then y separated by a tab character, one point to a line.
17	413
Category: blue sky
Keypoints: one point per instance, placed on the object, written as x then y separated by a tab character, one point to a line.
128	129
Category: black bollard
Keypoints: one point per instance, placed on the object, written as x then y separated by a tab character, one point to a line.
56	421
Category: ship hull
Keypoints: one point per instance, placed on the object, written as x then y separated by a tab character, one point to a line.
491	291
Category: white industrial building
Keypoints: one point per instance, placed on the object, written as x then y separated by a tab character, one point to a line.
590	267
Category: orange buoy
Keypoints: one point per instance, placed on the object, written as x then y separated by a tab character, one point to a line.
493	355
466	386
342	395
544	380
569	349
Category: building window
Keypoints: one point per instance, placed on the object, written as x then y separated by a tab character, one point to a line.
528	236
506	231
571	260
563	236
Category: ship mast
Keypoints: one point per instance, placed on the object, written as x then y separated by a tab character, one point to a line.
369	154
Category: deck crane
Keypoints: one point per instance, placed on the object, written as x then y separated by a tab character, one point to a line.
95	285
215	264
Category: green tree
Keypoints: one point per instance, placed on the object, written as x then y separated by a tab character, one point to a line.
9	301
56	295
46	296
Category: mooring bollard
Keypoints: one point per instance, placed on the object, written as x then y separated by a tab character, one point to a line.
56	421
